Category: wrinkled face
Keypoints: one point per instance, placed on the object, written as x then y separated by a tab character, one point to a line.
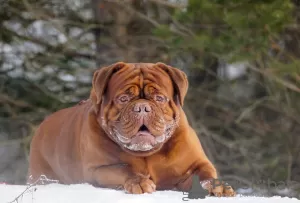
138	110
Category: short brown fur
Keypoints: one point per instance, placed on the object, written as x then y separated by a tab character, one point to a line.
73	145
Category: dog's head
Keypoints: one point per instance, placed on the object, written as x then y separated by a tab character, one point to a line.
138	104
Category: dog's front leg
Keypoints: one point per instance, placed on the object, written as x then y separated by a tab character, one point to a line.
121	176
209	181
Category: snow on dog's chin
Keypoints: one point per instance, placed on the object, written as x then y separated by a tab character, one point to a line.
142	145
139	147
142	141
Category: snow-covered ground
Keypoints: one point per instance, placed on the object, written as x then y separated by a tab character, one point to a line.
56	193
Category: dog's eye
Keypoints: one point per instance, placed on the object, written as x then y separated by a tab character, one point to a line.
160	98
124	98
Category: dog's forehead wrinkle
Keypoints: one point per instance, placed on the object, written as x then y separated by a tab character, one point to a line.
155	76
141	65
142	85
140	74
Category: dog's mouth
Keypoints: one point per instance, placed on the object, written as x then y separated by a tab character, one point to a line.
143	140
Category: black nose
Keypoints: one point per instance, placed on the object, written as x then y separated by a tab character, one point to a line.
142	108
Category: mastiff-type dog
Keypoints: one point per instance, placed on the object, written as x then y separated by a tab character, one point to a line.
131	134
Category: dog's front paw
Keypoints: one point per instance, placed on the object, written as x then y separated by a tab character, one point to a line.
139	185
218	188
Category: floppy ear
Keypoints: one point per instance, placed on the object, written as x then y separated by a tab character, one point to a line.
100	80
179	79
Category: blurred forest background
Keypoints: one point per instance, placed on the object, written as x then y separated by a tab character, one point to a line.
242	59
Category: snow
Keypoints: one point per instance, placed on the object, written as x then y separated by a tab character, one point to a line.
57	193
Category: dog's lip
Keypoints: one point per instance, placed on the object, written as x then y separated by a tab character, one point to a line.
140	134
143	137
144	133
158	139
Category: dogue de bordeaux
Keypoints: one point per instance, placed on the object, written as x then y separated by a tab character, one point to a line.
131	134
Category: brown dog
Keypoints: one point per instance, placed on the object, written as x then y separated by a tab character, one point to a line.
132	134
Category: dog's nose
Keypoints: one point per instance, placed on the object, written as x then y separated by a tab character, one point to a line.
142	108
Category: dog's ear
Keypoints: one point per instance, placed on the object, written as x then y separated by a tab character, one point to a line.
100	80
179	79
